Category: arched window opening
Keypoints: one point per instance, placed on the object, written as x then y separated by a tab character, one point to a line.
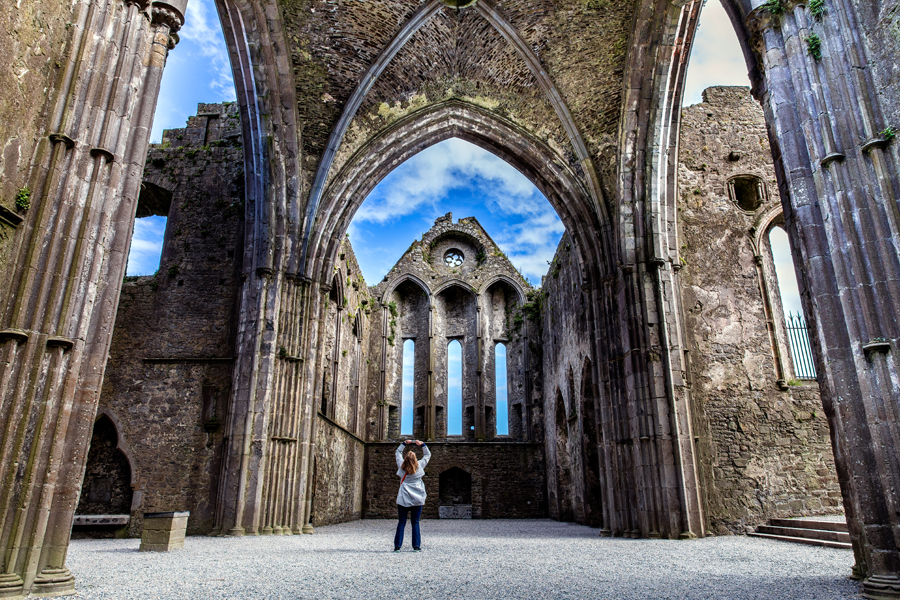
500	391
454	388
407	397
716	56
458	177
789	291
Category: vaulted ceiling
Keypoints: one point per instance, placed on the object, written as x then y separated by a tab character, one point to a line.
552	67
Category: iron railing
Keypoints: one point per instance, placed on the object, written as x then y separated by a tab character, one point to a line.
801	350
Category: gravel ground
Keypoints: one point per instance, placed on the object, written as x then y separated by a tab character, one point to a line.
462	559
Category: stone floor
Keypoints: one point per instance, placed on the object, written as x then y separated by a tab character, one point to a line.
462	559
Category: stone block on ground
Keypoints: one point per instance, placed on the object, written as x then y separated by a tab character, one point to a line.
163	531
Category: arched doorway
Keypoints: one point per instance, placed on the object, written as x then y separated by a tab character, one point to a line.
565	510
107	478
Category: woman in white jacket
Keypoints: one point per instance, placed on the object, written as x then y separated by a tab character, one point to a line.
411	496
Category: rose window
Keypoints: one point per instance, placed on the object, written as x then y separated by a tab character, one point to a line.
453	258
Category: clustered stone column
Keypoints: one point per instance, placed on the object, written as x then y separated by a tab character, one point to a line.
840	189
56	321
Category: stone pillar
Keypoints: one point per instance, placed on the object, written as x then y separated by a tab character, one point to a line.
57	313
480	434
430	412
839	185
382	425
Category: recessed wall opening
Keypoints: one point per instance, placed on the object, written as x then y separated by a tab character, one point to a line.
455	487
747	191
107	481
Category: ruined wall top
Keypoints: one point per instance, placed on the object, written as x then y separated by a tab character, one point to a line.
214	125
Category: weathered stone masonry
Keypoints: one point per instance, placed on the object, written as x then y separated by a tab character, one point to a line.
765	446
168	379
582	97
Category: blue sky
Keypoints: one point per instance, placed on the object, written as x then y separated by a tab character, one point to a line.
453	176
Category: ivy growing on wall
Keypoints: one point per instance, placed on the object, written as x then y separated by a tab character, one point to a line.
814	45
817	8
23	199
776	7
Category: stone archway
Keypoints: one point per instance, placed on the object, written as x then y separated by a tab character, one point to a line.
565	509
107	487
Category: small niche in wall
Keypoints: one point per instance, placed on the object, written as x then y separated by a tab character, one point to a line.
747	191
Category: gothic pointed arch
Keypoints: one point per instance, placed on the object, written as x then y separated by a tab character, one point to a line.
438	122
109	480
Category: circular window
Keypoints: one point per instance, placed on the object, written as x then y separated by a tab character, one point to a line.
453	258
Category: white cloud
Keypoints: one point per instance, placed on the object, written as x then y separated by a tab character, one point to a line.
716	58
434	173
201	27
456	175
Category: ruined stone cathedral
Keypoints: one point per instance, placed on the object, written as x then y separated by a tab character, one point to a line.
255	380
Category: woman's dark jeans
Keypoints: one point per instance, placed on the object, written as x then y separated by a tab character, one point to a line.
415	512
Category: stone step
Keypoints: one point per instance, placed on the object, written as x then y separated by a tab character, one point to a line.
800	540
802	532
810	523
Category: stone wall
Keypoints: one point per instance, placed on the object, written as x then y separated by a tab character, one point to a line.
340	457
764	446
478	300
566	352
340	446
507	479
168	378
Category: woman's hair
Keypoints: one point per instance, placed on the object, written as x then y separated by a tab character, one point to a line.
410	463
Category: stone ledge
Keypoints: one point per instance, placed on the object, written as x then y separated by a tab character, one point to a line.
101	520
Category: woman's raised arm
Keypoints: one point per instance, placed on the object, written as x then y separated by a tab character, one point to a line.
426	456
399	455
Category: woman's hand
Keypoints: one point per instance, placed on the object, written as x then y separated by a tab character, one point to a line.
407	442
418	443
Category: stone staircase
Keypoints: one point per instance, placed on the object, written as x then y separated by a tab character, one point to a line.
812	531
